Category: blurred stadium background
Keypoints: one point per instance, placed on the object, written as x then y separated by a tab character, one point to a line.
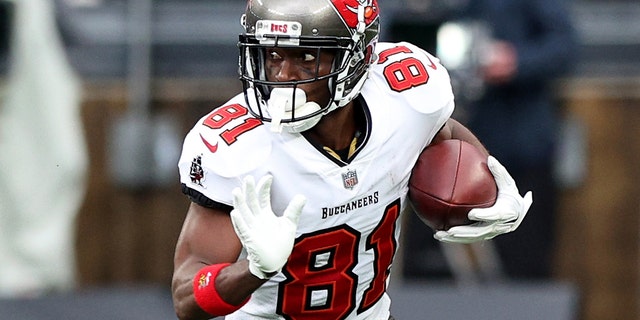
148	69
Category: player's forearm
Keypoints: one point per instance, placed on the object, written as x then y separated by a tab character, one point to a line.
184	301
455	130
234	284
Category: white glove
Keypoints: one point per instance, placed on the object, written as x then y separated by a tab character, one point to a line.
503	217
267	238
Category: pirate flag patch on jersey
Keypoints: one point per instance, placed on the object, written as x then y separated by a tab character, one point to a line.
196	173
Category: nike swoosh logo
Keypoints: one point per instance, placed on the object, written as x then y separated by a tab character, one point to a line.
213	148
433	65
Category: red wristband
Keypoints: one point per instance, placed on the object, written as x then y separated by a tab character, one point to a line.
204	291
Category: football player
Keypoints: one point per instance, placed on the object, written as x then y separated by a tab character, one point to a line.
297	184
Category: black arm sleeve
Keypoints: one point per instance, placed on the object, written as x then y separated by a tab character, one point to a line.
201	199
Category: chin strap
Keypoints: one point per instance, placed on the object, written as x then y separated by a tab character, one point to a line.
276	110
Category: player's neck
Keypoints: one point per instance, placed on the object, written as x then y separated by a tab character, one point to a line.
336	129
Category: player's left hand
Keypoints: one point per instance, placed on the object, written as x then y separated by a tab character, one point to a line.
503	217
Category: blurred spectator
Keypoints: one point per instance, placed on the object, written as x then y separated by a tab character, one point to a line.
532	44
42	157
503	80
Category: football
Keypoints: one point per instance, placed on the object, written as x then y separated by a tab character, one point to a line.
449	179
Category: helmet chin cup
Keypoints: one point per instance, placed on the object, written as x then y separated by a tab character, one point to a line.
283	103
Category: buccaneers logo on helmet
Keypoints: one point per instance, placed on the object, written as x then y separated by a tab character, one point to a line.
348	9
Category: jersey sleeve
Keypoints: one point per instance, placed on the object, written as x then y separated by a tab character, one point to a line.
220	149
415	78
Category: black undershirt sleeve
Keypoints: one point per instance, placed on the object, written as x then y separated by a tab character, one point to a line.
199	198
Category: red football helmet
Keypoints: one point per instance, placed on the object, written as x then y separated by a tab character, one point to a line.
347	28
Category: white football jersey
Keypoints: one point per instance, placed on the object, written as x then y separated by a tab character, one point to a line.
349	229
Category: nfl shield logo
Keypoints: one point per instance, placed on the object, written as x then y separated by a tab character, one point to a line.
350	179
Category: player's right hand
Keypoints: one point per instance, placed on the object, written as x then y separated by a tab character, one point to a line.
504	216
267	238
